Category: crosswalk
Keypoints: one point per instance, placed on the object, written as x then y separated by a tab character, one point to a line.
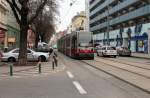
33	72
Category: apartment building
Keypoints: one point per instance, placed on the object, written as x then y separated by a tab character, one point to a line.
121	23
3	21
9	28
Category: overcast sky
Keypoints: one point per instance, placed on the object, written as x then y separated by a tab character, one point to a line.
67	12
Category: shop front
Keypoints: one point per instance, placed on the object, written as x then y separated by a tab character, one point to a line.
2	37
142	43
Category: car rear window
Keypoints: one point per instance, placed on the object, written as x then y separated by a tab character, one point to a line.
104	48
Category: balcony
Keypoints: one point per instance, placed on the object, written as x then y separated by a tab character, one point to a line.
99	26
107	2
114	9
129	16
94	3
3	4
132	15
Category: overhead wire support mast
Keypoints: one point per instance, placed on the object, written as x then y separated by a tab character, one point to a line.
108	25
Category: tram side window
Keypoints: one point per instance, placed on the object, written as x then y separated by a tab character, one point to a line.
74	42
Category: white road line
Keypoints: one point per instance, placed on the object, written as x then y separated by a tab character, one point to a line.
70	74
79	87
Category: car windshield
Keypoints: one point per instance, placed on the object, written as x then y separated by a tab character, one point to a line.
85	39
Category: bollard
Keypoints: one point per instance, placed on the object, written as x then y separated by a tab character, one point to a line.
39	68
11	69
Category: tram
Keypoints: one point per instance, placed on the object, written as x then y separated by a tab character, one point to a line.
78	45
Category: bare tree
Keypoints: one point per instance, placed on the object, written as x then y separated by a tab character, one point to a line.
23	15
44	23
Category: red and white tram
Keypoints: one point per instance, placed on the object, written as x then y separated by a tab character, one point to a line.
77	45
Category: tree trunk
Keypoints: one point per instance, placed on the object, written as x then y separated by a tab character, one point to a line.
23	36
36	40
23	45
41	38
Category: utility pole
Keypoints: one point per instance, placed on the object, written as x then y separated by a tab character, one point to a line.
87	15
108	24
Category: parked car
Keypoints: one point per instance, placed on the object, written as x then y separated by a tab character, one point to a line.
12	55
107	51
97	47
123	51
42	47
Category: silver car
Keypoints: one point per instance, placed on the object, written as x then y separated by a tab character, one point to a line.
123	51
31	55
107	51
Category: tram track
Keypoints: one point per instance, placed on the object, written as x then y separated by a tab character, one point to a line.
146	76
137	80
119	76
129	63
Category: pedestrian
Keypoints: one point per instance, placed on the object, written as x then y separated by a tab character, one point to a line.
50	50
55	60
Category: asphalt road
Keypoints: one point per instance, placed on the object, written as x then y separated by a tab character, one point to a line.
78	80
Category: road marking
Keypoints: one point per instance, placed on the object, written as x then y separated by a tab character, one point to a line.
79	87
70	74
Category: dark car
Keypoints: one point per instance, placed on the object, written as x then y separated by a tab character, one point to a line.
123	51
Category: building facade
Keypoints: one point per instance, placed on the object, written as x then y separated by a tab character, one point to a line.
31	39
3	22
13	30
121	23
9	28
78	22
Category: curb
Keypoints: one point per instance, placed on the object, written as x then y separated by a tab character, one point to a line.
141	57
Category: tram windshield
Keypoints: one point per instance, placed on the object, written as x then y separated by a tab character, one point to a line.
85	39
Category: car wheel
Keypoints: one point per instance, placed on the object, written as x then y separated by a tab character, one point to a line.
42	58
11	59
115	56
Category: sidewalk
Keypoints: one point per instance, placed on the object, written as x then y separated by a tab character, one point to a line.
141	55
5	69
30	71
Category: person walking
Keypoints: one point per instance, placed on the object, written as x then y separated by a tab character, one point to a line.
50	50
55	59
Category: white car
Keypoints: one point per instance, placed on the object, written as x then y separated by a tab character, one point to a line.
12	55
107	51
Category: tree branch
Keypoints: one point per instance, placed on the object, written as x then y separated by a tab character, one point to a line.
16	6
39	10
20	1
14	11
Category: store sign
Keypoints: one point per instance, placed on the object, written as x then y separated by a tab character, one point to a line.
12	39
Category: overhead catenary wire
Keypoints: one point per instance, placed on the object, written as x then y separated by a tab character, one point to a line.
70	6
